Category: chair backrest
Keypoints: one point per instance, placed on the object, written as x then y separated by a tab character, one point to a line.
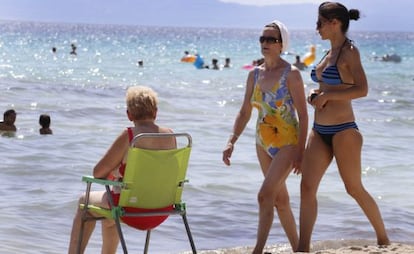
154	178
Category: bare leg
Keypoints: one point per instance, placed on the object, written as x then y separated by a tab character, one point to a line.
347	150
286	217
275	171
316	160
96	198
110	239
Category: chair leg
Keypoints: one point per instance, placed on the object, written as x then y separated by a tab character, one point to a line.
190	237
147	239
121	235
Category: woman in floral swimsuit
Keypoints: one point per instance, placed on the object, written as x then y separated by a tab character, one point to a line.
276	89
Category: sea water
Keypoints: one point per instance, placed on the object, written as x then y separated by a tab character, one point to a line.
85	97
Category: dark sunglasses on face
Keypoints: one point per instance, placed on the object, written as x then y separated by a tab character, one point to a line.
269	39
321	22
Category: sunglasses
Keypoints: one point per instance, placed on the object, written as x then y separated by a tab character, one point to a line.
269	39
321	22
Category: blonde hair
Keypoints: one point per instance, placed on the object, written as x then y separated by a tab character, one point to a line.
141	102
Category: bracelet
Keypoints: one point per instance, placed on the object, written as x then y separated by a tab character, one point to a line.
230	144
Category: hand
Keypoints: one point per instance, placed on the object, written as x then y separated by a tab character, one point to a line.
320	101
297	160
296	168
312	95
228	150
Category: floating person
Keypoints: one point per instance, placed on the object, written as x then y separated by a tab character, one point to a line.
391	58
227	63
140	63
73	52
44	121
254	63
214	64
309	57
54	50
188	58
250	66
199	62
7	127
260	61
299	64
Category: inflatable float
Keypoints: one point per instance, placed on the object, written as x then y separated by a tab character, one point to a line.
188	59
309	57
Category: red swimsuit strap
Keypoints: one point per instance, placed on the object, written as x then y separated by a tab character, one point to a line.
130	134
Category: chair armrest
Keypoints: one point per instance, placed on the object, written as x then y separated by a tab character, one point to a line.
92	179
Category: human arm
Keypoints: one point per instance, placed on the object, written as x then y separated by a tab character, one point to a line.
113	156
297	91
242	119
352	72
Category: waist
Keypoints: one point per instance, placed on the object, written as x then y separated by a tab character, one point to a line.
335	112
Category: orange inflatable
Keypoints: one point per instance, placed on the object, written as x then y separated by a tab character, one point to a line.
309	57
188	59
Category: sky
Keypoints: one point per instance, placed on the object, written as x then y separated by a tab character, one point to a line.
376	15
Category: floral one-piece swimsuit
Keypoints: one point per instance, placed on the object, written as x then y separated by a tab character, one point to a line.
277	124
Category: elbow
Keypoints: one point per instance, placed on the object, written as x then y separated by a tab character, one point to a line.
364	91
359	93
96	175
98	172
244	115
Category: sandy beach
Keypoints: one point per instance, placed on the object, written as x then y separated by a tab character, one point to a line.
326	247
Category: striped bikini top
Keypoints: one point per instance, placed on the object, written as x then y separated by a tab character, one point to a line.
330	75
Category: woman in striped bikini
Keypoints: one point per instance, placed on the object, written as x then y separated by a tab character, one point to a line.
341	79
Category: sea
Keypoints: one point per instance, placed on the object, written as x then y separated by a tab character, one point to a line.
85	96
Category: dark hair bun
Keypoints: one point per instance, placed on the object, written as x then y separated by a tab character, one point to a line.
353	14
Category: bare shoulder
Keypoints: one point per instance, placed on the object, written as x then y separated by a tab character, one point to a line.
165	130
253	72
294	76
350	51
294	70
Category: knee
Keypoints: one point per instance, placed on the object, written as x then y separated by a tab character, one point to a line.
354	191
308	190
108	223
82	199
282	202
264	196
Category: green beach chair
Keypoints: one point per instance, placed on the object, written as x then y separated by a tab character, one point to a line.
150	191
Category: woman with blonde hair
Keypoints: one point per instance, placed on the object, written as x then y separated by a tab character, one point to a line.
142	111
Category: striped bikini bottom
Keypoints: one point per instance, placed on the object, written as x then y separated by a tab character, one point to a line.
326	132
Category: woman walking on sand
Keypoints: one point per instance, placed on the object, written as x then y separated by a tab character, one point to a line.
276	89
341	79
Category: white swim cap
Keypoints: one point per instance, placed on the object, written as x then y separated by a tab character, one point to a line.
284	33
